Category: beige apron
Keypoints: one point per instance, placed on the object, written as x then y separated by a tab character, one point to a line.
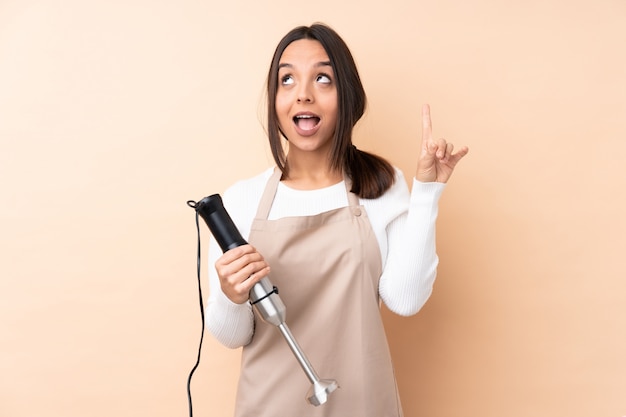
326	268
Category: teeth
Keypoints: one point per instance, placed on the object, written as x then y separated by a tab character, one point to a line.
304	117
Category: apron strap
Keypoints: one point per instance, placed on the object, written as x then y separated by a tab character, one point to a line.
268	195
353	199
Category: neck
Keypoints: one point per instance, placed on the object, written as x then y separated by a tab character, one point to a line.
310	175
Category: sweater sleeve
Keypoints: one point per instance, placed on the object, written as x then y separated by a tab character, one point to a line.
230	323
411	261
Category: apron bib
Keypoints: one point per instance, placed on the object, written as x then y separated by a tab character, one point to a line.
326	268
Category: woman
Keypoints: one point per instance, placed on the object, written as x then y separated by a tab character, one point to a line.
340	232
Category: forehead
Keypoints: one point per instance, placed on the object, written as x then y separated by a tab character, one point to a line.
304	51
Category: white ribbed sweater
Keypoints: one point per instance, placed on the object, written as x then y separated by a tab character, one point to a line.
404	225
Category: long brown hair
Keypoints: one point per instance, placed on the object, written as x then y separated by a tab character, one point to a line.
371	175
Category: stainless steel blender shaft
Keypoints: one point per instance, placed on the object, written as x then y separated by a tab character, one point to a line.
264	297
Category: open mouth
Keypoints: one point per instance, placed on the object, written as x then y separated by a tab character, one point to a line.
306	121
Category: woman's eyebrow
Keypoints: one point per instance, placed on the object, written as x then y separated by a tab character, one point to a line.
319	64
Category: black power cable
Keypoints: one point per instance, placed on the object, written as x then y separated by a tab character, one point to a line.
198	263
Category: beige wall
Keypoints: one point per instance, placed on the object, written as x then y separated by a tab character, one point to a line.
114	113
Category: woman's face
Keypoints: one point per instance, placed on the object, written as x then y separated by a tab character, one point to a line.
306	99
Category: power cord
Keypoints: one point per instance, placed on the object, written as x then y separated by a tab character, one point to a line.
198	263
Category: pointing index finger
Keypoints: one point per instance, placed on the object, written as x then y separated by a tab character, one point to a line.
427	128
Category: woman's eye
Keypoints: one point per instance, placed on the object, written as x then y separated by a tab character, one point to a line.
323	78
286	80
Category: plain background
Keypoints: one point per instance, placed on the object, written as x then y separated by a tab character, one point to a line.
114	113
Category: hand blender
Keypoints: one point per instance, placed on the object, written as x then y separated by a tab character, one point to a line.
264	295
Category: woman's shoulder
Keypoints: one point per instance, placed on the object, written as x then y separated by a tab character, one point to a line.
398	190
393	201
241	199
246	192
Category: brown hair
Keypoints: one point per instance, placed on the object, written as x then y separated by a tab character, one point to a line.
371	175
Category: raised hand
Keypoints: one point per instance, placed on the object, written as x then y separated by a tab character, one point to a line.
239	269
437	160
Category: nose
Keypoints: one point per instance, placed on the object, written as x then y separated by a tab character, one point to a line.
305	95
